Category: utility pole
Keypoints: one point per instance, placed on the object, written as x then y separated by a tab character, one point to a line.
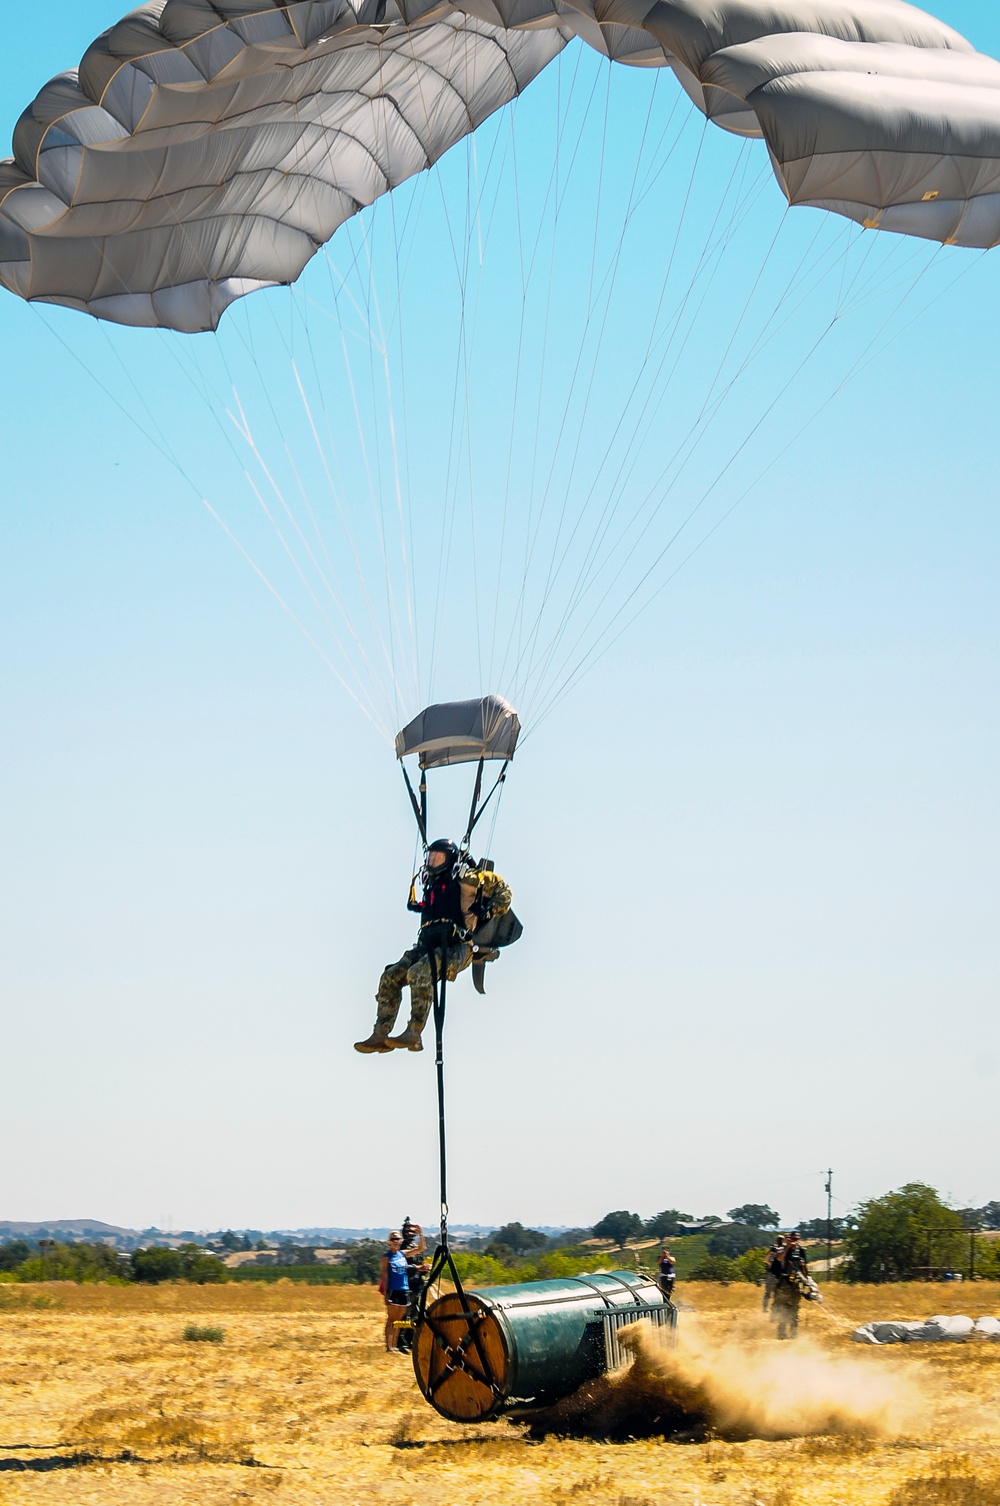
829	1225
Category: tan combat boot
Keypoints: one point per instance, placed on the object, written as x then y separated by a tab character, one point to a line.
408	1041
375	1042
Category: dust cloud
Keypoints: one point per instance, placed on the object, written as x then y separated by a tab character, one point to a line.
735	1389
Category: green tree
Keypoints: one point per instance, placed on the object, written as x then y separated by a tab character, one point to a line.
988	1259
735	1239
199	1266
815	1228
73	1262
894	1239
989	1217
14	1255
752	1265
519	1239
155	1264
292	1254
620	1226
667	1225
716	1268
757	1215
496	1251
189	1263
364	1260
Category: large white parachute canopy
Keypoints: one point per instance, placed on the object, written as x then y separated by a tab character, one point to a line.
208	148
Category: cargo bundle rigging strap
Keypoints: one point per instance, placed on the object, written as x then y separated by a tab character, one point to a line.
443	1263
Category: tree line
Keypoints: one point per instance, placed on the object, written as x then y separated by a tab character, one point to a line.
911	1233
85	1263
905	1235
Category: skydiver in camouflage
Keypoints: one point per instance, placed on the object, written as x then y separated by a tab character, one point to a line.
458	897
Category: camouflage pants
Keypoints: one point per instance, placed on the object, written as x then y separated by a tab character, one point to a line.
785	1309
414	968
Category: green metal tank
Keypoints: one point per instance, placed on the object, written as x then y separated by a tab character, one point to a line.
509	1348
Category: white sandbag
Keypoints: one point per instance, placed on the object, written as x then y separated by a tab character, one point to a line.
989	1328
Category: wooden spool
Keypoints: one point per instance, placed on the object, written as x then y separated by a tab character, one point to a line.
461	1358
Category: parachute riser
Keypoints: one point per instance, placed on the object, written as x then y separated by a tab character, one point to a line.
476	811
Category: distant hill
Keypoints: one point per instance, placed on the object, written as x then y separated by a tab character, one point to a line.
81	1229
68	1228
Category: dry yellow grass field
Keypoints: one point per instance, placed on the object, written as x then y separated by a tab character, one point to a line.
103	1400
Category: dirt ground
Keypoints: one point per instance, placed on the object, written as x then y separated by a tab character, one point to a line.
102	1399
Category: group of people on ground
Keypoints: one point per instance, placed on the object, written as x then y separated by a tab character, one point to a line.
404	1275
786	1282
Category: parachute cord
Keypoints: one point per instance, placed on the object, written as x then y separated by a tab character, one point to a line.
532	532
378	495
521	679
445	532
552	193
298	623
384	720
243	428
760	344
599	650
413	598
590	574
170	456
338	489
556	569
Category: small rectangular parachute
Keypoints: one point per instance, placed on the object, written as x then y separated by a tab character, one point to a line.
461	732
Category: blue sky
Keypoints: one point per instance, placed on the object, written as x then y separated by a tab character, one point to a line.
754	849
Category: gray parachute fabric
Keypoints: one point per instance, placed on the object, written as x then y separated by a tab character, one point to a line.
208	148
461	732
939	1330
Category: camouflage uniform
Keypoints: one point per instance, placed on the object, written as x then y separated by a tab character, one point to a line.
414	968
789	1271
483	894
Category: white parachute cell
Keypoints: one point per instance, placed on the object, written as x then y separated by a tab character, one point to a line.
205	150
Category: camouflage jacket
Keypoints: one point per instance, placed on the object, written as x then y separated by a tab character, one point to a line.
484	895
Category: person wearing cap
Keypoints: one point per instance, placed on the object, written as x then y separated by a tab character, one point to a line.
412	1245
395	1288
456	897
770	1273
791	1268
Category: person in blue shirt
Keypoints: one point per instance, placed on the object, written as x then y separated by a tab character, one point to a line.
395	1287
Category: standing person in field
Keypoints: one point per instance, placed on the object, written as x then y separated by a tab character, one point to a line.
412	1245
791	1270
770	1273
667	1274
395	1287
457	898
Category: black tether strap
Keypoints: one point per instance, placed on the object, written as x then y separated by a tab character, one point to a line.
421	823
475	819
435	942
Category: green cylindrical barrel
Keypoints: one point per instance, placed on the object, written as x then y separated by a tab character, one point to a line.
514	1347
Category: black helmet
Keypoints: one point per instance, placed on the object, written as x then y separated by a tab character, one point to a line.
447	868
